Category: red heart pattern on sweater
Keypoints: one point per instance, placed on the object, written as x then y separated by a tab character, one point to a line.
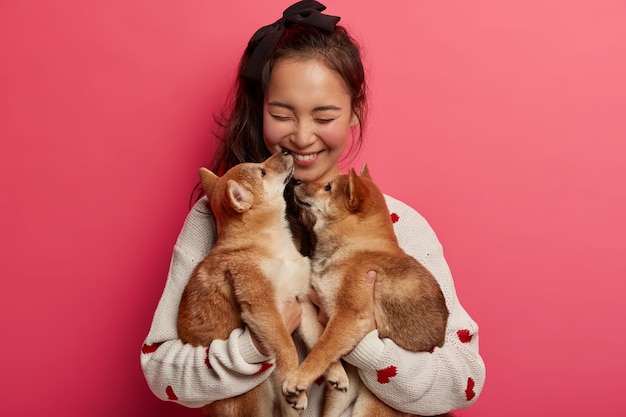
394	218
150	348
469	391
384	375
464	336
170	393
206	359
264	367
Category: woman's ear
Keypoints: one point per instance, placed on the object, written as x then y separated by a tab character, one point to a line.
354	119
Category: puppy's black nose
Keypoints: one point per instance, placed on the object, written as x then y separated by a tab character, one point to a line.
286	152
297	182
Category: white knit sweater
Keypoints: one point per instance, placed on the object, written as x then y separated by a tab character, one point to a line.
423	383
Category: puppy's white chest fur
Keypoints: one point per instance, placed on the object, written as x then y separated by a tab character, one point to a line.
289	271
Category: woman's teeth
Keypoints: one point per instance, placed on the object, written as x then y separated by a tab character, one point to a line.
304	158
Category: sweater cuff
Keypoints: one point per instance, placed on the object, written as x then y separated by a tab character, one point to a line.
248	351
368	353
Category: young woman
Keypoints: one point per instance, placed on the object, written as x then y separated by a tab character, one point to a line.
301	87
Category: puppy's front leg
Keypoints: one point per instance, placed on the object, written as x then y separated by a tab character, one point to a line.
310	331
266	322
347	325
262	315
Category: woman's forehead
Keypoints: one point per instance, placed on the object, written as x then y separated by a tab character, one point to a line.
306	80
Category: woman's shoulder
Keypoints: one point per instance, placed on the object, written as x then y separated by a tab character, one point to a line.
410	226
202	207
399	208
200	212
199	231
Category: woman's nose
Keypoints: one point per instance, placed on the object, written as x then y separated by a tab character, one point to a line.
303	135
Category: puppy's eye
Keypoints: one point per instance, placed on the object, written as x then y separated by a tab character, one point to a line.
327	187
263	172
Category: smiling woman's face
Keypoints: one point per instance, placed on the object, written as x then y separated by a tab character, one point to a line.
308	111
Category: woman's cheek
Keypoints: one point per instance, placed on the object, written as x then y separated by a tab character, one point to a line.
336	137
272	134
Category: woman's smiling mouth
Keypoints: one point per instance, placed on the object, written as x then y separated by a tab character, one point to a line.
304	159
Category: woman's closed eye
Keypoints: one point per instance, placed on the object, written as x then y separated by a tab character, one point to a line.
281	118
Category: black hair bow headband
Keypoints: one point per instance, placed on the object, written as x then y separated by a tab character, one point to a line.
305	12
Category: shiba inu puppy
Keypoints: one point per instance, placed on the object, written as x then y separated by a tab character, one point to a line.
355	235
246	278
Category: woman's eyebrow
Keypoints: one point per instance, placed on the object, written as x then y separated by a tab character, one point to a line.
280	104
328	107
292	108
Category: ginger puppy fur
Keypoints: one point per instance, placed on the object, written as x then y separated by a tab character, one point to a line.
355	235
246	278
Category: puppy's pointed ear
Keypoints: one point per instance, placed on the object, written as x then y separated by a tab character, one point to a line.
239	197
208	180
354	191
365	172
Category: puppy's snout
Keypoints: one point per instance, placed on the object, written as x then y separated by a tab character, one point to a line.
280	162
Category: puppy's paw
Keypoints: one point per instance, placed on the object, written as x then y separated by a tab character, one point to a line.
295	393
336	377
297	401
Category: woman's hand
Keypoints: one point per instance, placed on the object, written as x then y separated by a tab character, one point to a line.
322	317
292	316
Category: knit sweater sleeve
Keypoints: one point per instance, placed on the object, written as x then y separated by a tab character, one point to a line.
424	383
196	375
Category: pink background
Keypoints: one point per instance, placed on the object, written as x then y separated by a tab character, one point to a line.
502	122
